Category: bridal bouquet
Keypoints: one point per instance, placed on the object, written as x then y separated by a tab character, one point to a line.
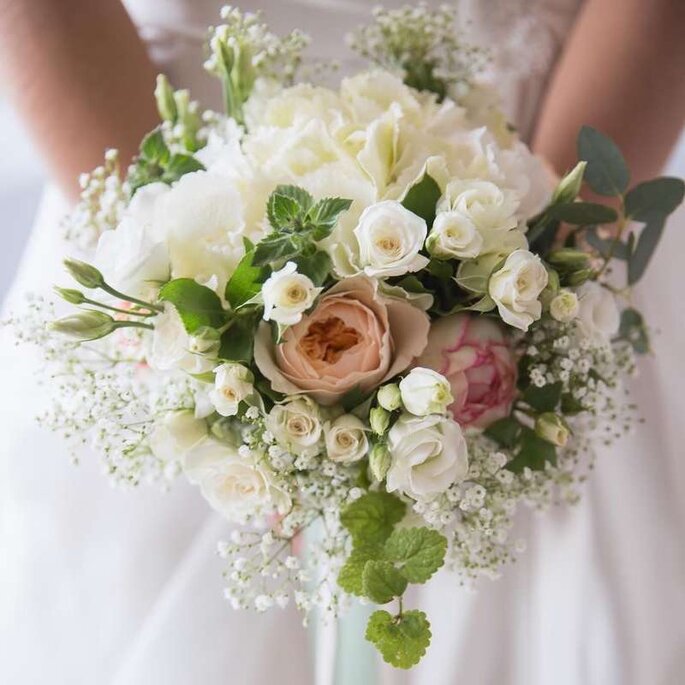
369	311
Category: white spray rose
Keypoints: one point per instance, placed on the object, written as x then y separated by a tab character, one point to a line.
296	425
564	307
346	440
516	287
232	385
489	207
598	315
287	295
428	454
176	433
390	238
454	235
425	391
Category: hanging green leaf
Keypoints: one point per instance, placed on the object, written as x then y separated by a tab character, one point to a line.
654	199
402	640
417	552
645	247
382	582
371	518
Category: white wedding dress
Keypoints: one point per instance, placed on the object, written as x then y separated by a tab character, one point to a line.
103	587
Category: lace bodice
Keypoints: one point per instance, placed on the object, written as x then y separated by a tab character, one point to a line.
524	38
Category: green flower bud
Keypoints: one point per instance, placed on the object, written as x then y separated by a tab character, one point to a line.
569	186
389	397
164	95
70	295
86	325
579	277
379	419
84	274
568	258
379	461
553	428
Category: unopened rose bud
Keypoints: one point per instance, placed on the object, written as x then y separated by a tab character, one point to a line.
84	274
564	307
379	461
569	186
70	295
389	397
164	95
568	258
579	277
87	325
553	428
379	419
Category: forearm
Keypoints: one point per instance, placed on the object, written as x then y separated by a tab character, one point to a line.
80	77
622	72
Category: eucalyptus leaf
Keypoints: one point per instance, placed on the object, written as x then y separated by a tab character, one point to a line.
654	199
645	247
606	172
583	213
634	330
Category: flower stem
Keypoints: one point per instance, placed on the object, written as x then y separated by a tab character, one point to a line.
153	307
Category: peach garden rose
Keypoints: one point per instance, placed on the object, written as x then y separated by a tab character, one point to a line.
355	337
473	353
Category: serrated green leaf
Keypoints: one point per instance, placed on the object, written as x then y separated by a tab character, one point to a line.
350	575
237	342
196	304
316	266
583	213
504	431
417	552
246	281
401	640
655	198
371	518
282	210
645	247
272	249
325	213
382	582
545	398
300	195
534	452
606	172
154	148
422	199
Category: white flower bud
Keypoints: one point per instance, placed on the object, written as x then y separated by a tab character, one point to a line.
84	274
389	397
569	186
379	461
552	428
87	325
379	419
425	391
565	306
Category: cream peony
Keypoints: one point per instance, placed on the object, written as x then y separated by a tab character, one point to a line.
428	455
390	238
598	316
425	391
232	385
287	295
296	425
516	287
346	440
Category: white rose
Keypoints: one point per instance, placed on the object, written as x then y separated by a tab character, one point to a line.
489	207
425	391
346	440
516	287
234	486
428	454
287	295
454	235
390	238
176	433
598	315
564	307
232	384
296	425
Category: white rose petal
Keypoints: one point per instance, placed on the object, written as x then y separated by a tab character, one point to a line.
598	315
232	385
390	238
516	287
425	391
565	306
176	433
454	235
287	295
346	440
428	455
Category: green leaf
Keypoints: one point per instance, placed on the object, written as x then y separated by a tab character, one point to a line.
420	552
616	249
300	195
325	213
634	330
570	405
545	398
382	582
272	249
371	518
196	304
583	213
440	269
504	431
282	210
422	199
655	198
645	247
606	172
179	165
246	281
154	148
316	267
237	342
534	452
350	575
401	640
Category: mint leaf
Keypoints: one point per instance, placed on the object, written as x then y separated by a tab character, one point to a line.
154	148
382	582
606	172
371	518
418	552
246	281
350	575
196	304
401	640
273	248
282	210
324	215
300	195
422	199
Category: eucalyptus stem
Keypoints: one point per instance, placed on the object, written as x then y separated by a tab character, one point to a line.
620	227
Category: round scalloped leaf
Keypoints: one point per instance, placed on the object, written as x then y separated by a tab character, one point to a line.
420	552
382	582
401	640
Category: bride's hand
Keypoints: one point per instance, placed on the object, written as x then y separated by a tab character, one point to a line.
81	78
